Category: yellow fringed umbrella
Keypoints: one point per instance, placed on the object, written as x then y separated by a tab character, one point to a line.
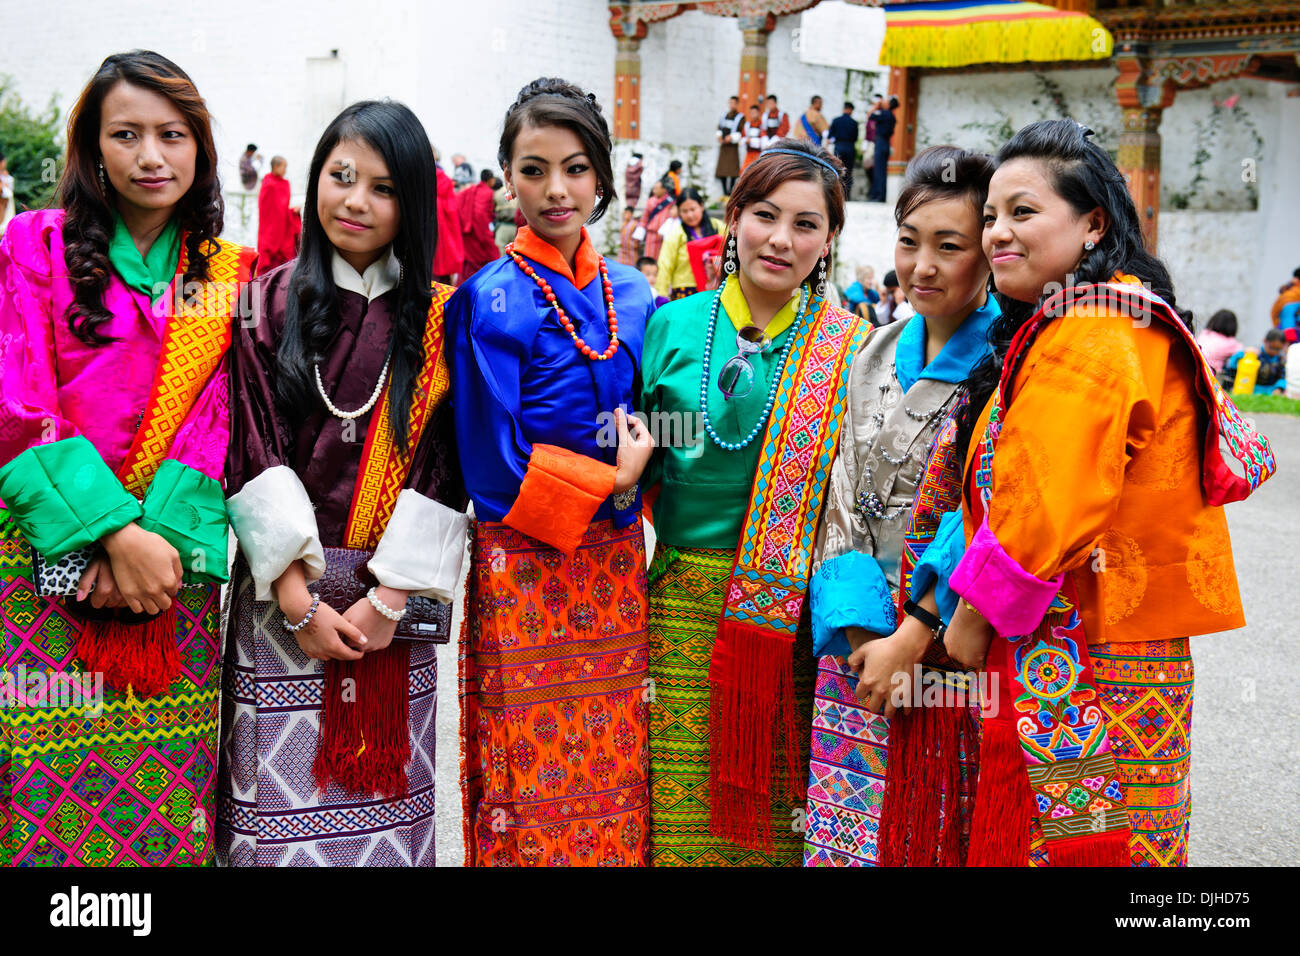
950	33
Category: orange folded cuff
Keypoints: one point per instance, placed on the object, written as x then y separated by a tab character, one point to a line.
560	494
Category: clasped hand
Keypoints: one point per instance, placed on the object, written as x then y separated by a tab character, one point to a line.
139	570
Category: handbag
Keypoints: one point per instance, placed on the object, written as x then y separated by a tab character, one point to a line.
58	579
346	581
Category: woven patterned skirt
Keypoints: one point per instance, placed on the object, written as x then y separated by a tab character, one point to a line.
686	599
1145	691
270	812
846	773
130	783
554	701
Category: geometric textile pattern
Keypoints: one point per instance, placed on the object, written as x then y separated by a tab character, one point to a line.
555	700
1145	692
846	779
194	344
384	464
269	812
90	776
771	577
686	602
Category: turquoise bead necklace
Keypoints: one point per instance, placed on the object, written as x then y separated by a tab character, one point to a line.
805	300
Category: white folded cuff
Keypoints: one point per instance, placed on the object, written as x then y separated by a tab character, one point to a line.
276	525
422	548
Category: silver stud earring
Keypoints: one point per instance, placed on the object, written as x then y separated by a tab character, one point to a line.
1089	246
821	277
103	180
729	265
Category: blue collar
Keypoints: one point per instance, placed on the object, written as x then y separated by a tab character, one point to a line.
968	345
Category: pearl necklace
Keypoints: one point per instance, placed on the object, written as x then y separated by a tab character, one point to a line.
348	416
795	328
563	316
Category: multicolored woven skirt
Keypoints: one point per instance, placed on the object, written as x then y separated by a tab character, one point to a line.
686	598
554	701
90	776
846	773
1145	691
270	812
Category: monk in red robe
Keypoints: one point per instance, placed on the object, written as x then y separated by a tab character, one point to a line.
278	226
477	213
449	252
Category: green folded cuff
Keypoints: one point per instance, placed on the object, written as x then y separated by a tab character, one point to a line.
188	509
63	497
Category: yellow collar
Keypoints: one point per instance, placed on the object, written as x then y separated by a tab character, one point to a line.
737	309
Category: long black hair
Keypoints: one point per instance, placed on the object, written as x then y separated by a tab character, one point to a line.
312	307
550	101
706	224
1082	174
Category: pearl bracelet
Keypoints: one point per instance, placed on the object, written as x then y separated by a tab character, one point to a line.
383	608
295	628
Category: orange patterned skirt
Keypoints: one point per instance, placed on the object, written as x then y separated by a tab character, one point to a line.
554	710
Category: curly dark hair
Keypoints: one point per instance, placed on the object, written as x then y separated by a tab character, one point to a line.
550	101
88	219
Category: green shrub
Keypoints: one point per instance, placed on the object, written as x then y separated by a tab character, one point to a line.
32	143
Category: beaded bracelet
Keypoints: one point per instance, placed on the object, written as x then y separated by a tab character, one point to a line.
383	608
295	628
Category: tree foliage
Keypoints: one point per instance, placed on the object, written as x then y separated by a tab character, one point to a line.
32	142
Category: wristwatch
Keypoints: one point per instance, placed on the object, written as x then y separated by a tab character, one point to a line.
933	622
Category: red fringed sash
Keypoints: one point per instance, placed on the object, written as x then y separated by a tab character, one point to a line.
143	656
920	820
751	673
365	741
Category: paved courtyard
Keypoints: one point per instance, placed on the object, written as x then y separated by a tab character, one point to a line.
1246	717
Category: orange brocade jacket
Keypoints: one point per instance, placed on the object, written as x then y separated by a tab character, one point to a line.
1097	474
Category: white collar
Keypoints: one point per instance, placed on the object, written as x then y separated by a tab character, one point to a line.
380	276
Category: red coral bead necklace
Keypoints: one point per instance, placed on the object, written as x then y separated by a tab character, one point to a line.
565	321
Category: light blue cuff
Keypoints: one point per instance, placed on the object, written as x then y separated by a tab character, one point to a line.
849	591
938	562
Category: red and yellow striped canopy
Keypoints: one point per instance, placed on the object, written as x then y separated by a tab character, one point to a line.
946	33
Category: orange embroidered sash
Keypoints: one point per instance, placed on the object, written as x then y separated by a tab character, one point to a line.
384	466
195	340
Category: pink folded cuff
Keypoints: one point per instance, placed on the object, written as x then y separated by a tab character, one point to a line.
1009	597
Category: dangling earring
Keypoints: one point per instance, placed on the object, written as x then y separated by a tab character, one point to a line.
729	264
1089	246
820	290
103	180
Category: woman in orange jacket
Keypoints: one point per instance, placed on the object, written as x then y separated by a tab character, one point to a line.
1096	416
